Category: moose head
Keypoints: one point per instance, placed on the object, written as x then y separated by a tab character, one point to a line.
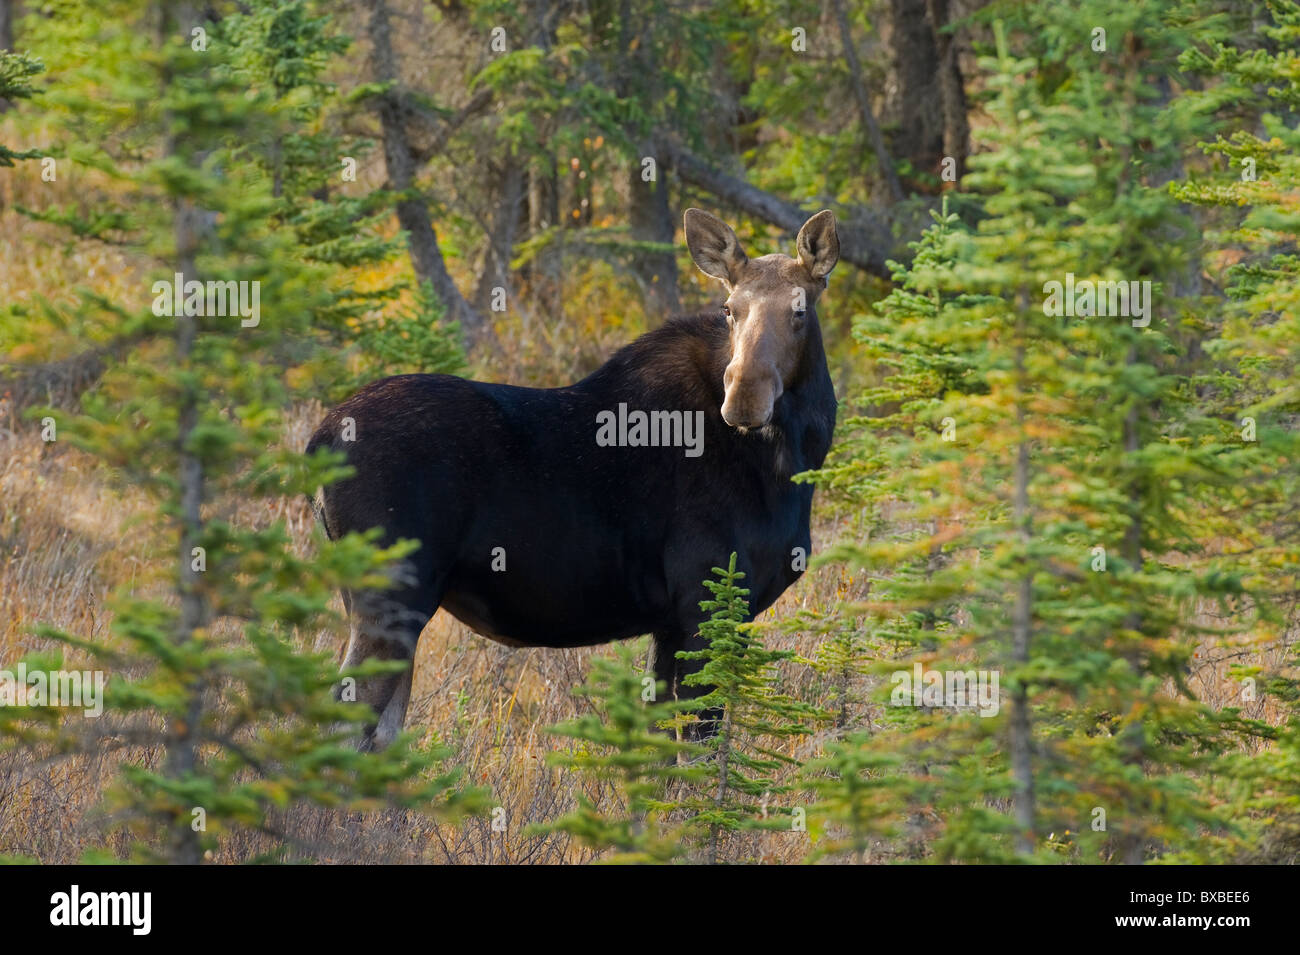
770	306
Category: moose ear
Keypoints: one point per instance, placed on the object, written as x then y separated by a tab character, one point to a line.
714	247
819	244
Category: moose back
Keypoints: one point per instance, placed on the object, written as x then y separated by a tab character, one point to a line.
574	516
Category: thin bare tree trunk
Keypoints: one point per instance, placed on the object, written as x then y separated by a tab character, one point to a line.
649	214
720	796
543	214
182	734
651	219
866	115
8	13
952	89
1131	842
511	190
543	271
412	210
1021	620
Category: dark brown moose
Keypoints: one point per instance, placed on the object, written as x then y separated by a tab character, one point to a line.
574	516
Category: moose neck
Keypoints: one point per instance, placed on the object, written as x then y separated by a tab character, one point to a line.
803	419
812	365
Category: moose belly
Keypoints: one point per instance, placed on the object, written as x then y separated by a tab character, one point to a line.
553	605
478	618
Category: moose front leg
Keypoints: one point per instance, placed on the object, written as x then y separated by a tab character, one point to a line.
666	644
672	671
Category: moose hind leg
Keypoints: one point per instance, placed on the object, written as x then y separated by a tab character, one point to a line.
384	627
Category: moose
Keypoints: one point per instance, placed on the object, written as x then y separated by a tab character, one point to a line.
535	532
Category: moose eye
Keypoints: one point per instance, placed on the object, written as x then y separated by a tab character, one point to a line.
800	312
726	310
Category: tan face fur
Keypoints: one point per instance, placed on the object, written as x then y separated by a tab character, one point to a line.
769	306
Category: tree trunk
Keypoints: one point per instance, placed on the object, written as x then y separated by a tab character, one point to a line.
866	115
510	187
952	88
412	210
651	219
1021	621
720	794
543	272
926	66
543	214
181	759
182	742
1130	842
919	136
649	214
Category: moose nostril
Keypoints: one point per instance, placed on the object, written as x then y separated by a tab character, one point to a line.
737	415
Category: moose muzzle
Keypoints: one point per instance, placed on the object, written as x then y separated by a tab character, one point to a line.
751	392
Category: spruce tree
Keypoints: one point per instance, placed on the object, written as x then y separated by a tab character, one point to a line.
621	743
858	798
739	771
